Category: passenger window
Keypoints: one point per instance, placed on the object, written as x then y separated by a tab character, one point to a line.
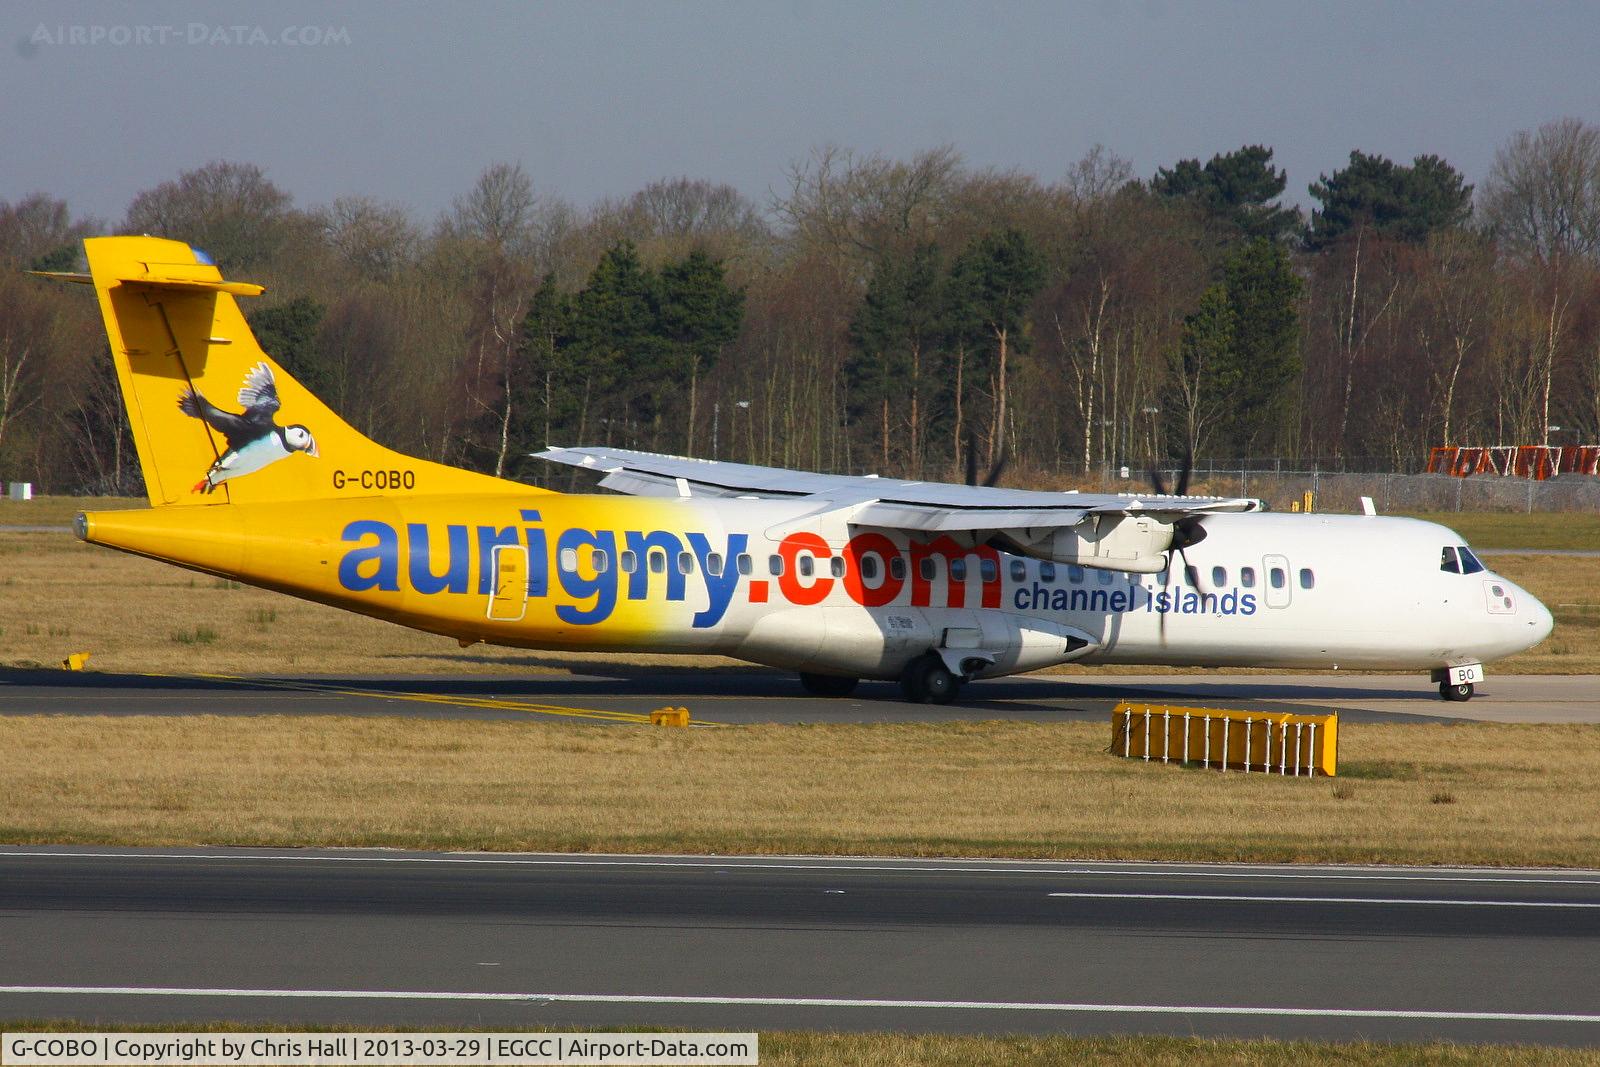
1447	560
1470	564
628	562
836	566
897	568
1247	577
714	564
1307	579
806	566
927	569
1219	576
987	570
1191	575
569	560
958	570
1074	574
686	562
775	566
1019	571
658	562
744	563
1104	576
600	561
1277	578
869	568
1047	572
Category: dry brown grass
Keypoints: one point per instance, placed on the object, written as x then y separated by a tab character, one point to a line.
1522	795
940	1050
780	1048
60	510
59	596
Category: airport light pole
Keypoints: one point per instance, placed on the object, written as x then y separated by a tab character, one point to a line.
738	406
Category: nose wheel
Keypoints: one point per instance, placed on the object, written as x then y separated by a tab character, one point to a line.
1456	693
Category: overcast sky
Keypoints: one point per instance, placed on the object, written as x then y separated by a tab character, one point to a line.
408	102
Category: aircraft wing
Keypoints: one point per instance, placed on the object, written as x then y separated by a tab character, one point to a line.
935	507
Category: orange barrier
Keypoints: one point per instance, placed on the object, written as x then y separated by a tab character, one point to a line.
1535	462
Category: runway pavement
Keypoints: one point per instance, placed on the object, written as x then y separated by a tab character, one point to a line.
378	938
624	694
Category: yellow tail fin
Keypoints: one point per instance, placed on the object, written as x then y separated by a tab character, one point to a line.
214	419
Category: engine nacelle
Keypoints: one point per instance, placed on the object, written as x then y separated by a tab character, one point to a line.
1136	543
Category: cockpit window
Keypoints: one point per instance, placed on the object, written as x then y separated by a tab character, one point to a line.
1469	563
1448	561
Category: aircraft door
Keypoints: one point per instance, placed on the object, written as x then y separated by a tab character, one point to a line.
509	601
1275	576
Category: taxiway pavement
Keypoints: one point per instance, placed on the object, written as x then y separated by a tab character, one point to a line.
737	696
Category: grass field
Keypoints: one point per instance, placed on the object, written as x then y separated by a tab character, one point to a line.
1558	530
59	596
782	1048
1465	794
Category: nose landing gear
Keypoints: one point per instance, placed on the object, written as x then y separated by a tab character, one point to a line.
1456	683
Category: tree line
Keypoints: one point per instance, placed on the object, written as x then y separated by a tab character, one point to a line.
907	316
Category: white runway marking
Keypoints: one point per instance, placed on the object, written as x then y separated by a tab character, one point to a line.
1587	878
1334	900
810	1002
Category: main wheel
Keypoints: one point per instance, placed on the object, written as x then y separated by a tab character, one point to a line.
827	685
928	681
1456	693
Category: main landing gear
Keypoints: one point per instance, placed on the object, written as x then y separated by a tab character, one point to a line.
1456	692
827	685
926	680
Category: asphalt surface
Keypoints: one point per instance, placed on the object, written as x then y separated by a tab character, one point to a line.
627	695
375	937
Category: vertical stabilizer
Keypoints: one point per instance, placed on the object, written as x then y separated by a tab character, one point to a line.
214	419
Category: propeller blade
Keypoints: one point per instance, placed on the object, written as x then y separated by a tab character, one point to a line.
972	460
1187	533
1000	461
1158	483
1183	475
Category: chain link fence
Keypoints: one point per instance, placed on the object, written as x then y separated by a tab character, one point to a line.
1402	493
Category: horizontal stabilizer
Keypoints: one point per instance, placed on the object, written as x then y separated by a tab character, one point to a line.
160	281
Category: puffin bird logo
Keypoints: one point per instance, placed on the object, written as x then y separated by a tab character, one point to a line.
255	440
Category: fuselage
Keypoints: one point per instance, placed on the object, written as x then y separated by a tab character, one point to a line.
796	585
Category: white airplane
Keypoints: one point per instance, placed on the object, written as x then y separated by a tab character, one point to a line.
936	584
838	578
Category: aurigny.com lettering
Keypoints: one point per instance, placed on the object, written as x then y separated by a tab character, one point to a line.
434	561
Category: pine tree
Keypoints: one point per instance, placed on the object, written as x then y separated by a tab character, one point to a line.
1238	189
1263	362
1203	375
699	316
1394	201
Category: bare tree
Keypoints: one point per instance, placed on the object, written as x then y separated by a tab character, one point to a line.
1542	197
373	239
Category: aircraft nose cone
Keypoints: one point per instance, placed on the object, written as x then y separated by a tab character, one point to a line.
1540	621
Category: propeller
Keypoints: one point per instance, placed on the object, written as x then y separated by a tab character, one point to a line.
1000	461
1159	483
1186	532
